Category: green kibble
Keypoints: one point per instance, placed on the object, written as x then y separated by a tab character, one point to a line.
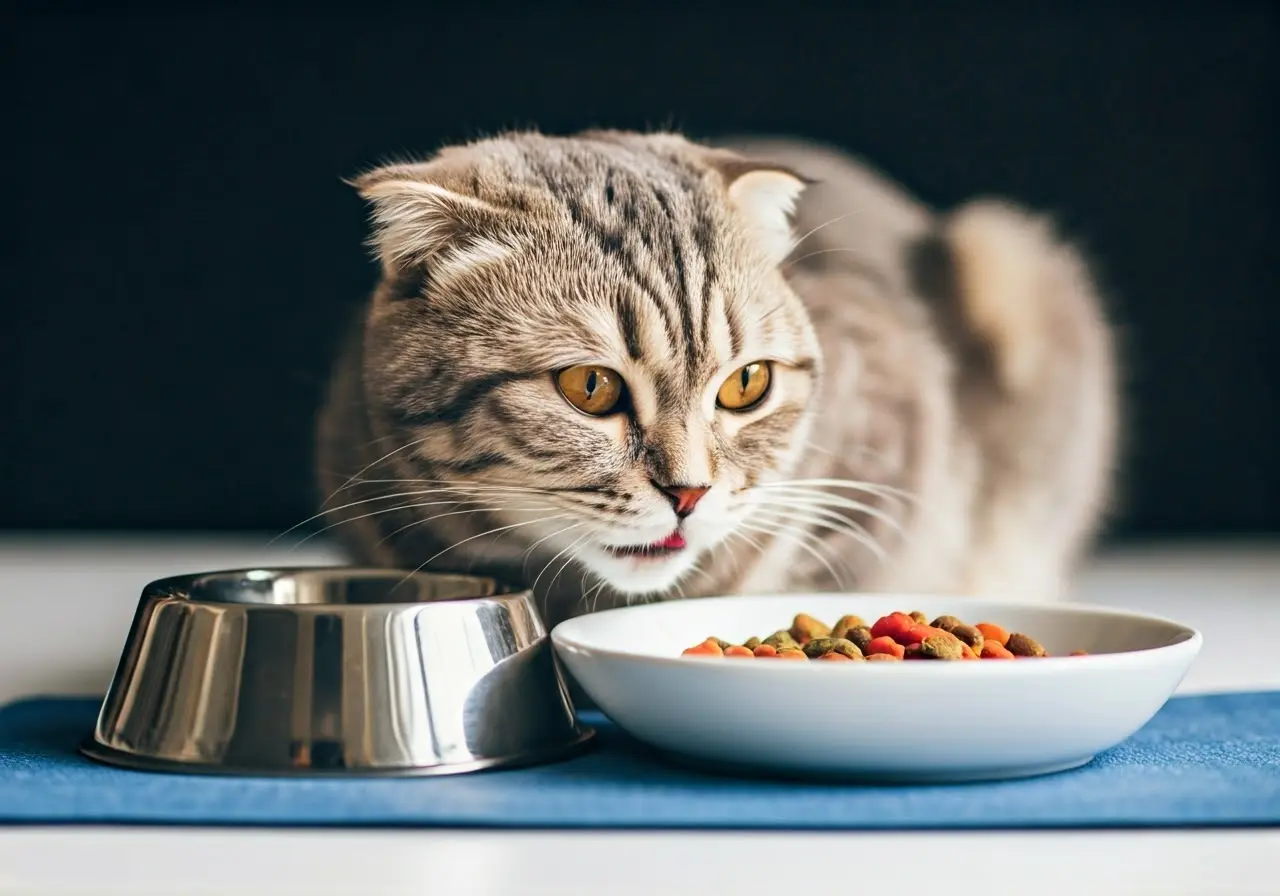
919	617
721	642
844	624
1021	645
780	639
751	643
860	635
818	646
805	628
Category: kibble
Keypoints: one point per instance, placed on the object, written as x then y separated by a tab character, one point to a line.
992	632
846	624
885	645
1023	645
818	646
970	635
941	646
780	639
860	636
804	628
895	637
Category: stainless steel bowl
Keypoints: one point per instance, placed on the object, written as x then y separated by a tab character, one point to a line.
335	671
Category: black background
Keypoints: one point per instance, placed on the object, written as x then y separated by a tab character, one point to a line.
182	256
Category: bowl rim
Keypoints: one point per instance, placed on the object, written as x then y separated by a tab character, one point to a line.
178	587
1188	639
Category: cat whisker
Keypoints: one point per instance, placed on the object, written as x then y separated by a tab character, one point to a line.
824	501
726	545
834	523
572	555
386	497
795	261
528	553
595	595
927	515
873	488
412	505
471	538
798	536
461	484
370	466
484	550
569	547
810	445
796	244
488	508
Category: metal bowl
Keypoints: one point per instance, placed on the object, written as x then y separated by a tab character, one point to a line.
335	671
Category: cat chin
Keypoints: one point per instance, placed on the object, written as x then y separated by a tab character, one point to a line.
639	575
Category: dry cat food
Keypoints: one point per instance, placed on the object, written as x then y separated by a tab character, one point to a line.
898	636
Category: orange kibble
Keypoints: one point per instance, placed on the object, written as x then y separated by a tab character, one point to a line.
792	653
765	650
994	650
918	632
1078	653
966	652
735	650
885	645
708	647
883	657
836	657
895	626
992	632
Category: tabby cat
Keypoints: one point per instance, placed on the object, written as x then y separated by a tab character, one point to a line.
622	366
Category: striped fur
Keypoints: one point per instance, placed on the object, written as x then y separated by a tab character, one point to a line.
445	443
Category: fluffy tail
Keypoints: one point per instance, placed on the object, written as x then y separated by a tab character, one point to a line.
1023	293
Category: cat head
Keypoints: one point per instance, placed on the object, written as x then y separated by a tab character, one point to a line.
594	336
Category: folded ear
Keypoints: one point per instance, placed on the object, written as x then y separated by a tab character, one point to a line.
765	194
417	218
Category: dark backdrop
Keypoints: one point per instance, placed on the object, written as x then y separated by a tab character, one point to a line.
181	254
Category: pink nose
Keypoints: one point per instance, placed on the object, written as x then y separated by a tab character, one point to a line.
685	498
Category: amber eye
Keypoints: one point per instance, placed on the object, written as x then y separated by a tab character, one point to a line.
745	388
593	390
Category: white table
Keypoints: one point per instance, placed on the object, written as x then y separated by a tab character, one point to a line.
66	603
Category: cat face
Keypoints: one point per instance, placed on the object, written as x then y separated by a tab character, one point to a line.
592	338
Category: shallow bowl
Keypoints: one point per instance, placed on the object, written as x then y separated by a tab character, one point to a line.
891	722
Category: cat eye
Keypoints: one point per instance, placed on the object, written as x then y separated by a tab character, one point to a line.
746	387
593	390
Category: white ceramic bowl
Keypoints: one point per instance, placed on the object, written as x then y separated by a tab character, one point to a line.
916	721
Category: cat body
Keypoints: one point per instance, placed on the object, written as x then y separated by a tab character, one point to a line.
626	366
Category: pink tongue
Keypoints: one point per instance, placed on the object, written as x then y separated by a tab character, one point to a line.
672	542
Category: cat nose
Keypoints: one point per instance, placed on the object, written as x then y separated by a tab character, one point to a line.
684	497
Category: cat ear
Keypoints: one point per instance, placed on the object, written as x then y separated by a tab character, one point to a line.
417	219
766	195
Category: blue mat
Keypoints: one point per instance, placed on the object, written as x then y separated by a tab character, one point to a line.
1212	760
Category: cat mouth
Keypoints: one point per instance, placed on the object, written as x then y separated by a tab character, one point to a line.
672	544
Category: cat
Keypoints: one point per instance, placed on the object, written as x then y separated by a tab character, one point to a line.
621	366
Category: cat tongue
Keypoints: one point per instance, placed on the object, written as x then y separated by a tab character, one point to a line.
673	542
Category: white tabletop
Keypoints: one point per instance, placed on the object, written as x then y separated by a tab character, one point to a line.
66	603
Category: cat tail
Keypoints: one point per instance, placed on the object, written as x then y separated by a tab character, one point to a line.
1024	293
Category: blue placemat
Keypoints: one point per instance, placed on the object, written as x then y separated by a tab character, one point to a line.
1208	760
